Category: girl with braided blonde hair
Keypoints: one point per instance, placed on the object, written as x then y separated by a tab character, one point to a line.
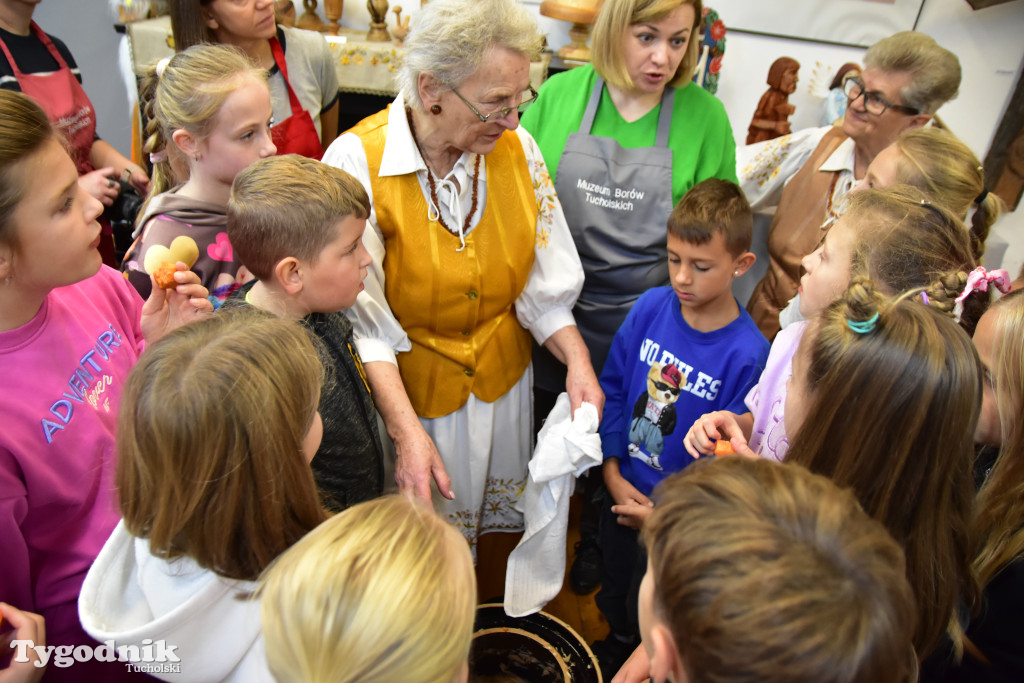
936	162
898	240
211	108
884	399
168	165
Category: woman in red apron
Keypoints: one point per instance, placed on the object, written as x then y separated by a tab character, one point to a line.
303	87
38	69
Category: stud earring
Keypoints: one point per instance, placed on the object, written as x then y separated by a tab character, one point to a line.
435	109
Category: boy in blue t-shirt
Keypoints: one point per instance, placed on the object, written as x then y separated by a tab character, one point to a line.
683	351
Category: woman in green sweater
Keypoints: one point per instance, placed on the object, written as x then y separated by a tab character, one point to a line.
625	138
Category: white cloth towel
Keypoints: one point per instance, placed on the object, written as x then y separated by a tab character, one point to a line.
566	448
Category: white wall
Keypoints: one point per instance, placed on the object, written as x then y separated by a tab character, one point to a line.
988	42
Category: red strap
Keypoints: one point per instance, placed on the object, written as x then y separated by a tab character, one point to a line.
278	52
47	43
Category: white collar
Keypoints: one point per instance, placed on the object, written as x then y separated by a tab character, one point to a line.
841	159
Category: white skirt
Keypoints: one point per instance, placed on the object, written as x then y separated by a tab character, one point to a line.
486	448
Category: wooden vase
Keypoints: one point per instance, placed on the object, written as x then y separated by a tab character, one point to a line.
332	10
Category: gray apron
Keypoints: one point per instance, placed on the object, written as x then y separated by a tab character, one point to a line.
617	202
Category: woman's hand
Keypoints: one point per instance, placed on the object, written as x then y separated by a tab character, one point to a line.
721	424
27	626
416	458
417	462
580	382
137	178
101	184
636	669
631	507
102	154
167	309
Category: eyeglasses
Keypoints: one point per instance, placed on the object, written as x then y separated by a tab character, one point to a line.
874	102
525	97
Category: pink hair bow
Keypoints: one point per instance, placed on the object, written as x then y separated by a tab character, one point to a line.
978	281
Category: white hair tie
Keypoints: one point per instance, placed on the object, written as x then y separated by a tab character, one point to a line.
161	66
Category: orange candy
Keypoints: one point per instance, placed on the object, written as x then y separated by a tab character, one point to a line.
164	276
724	447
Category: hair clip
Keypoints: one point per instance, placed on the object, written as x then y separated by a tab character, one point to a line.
161	66
978	281
863	326
981	197
158	157
924	298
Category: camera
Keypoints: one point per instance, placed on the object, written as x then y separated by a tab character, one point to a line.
122	215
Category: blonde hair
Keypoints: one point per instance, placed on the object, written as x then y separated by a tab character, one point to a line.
192	89
384	591
450	38
892	417
938	163
209	444
162	176
24	131
934	71
289	206
905	242
999	522
615	18
766	572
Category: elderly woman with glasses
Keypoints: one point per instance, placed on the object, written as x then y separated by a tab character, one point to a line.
471	256
906	78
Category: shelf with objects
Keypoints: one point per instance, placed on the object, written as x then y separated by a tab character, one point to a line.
366	69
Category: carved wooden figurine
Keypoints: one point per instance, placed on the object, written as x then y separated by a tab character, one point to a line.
309	19
771	120
401	29
378	32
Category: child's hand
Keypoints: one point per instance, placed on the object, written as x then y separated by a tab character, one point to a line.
626	496
27	626
636	669
711	427
632	514
167	309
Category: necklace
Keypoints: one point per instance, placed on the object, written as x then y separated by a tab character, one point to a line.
433	186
